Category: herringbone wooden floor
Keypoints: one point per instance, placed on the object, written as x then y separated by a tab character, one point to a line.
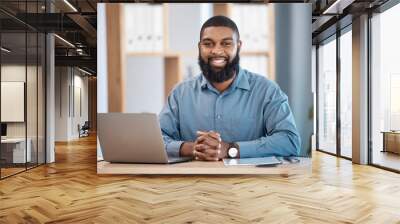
70	191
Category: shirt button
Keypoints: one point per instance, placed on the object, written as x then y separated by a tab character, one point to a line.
218	116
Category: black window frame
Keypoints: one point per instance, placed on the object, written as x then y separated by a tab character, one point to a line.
343	26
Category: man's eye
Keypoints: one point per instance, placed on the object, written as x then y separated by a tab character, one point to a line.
227	44
207	44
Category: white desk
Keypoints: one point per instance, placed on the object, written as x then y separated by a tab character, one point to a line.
17	146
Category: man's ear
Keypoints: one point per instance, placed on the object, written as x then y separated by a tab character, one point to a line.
239	44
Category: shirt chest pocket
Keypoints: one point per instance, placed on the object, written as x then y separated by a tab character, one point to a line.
242	128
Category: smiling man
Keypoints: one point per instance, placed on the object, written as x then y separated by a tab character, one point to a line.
227	111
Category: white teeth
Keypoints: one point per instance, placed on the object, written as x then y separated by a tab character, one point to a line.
218	61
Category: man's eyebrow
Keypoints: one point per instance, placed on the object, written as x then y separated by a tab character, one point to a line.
209	39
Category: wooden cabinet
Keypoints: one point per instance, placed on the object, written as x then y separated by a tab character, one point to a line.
391	142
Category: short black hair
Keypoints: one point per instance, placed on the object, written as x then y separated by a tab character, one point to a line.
220	21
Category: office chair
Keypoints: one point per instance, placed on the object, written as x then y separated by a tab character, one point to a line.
84	130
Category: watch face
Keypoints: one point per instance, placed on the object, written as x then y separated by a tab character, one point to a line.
232	152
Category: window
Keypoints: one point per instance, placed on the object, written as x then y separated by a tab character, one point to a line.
346	93
335	74
385	89
327	96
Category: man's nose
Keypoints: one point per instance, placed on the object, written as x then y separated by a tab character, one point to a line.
217	50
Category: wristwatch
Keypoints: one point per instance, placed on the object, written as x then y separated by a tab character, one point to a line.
233	150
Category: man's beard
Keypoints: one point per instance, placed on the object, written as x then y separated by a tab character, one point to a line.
220	76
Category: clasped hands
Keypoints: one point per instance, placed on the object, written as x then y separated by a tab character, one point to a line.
209	146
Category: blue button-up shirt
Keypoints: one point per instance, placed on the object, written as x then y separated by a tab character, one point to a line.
253	112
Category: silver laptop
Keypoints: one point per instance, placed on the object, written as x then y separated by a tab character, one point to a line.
132	138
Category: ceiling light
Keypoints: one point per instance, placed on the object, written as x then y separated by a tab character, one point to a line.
84	71
65	41
79	51
337	7
70	5
5	50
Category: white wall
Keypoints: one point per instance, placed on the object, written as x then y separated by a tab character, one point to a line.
81	103
12	101
67	114
17	73
14	73
33	126
61	103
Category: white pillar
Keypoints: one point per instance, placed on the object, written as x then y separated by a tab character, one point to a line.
360	90
50	99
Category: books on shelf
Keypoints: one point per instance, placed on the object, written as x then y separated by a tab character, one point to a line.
252	22
253	25
144	27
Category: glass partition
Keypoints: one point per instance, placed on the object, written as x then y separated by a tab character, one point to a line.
14	154
22	78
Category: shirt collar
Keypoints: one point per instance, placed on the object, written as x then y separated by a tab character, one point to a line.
241	81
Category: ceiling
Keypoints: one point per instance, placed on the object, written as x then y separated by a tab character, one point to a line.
331	15
76	22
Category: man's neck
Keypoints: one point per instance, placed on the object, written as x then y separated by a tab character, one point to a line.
222	86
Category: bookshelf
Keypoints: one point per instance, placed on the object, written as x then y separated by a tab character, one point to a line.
175	45
151	39
173	72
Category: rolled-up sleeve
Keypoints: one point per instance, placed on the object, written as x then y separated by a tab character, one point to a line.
169	122
282	137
